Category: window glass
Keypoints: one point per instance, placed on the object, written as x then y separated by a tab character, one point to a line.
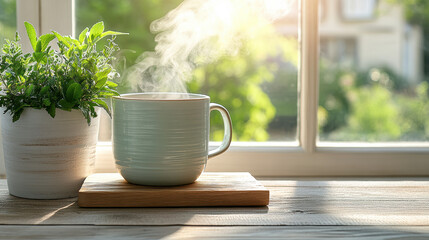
358	10
257	84
374	73
7	20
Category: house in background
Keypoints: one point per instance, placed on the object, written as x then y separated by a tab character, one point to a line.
364	34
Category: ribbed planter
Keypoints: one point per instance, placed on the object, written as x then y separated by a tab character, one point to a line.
48	158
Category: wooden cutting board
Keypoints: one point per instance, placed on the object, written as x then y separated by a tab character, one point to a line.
211	189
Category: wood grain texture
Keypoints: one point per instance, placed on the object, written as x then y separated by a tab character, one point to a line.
186	232
403	202
211	189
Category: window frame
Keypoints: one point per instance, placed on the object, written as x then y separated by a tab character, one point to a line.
306	157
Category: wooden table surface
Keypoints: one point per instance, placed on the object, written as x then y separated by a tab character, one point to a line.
299	209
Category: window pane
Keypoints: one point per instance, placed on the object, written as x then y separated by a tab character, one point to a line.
7	20
374	73
257	84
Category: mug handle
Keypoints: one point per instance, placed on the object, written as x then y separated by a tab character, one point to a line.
227	137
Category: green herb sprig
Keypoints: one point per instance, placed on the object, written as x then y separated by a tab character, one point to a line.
78	76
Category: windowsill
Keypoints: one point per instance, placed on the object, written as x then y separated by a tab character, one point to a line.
293	161
288	159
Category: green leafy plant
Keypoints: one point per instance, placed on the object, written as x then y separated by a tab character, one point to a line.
78	76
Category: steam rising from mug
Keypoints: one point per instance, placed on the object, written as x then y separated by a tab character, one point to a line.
199	32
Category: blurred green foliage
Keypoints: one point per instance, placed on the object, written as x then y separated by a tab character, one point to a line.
372	105
414	113
251	108
132	16
332	98
237	82
7	20
375	115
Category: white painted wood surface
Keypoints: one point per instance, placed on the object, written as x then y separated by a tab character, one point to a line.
57	15
295	162
299	209
309	74
27	11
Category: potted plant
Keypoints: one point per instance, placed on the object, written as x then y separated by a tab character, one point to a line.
50	101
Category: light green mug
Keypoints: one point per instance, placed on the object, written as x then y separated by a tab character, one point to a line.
161	139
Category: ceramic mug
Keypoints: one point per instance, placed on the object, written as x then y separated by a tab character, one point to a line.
161	139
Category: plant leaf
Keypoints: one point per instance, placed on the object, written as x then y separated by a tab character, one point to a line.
102	104
44	90
82	35
109	33
69	52
61	39
70	78
103	74
107	92
38	56
72	40
29	90
31	32
46	39
38	46
17	115
96	30
65	105
74	92
100	83
111	84
83	46
51	110
46	102
17	38
92	111
86	114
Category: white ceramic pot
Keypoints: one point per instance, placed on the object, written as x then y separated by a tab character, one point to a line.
48	158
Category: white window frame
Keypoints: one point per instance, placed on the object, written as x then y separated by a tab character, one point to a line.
306	157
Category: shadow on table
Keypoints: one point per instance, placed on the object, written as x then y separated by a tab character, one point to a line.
172	219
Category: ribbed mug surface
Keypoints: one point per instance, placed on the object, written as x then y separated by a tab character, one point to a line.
161	138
